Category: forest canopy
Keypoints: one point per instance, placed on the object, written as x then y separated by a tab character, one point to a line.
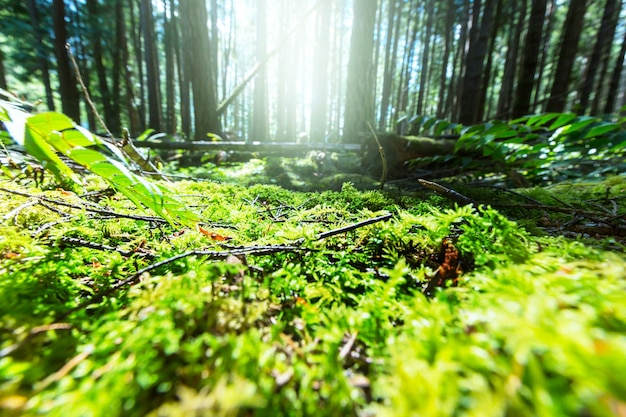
316	70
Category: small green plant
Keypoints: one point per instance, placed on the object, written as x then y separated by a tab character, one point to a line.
46	135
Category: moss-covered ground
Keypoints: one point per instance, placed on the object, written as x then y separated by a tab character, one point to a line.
515	306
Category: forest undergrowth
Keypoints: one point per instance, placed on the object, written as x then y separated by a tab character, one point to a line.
232	291
278	302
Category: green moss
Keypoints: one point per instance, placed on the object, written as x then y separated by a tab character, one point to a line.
536	327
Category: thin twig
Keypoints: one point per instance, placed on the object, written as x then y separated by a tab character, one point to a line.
92	210
446	192
354	226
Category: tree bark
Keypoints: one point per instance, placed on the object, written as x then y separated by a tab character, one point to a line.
505	101
260	128
3	80
604	60
611	98
424	73
600	47
359	108
42	55
153	78
572	29
96	41
319	95
473	81
206	120
528	70
67	77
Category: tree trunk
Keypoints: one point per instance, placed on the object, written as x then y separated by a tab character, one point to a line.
42	55
572	29
604	60
170	78
67	77
600	47
611	98
96	41
473	80
183	63
196	38
528	70
505	100
393	32
424	79
442	108
260	129
3	80
359	108
319	95
138	52
153	78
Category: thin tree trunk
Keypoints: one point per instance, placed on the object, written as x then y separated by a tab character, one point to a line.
260	129
67	78
155	112
319	97
528	70
572	29
424	79
138	52
505	101
3	80
96	41
611	98
42	55
601	44
604	60
170	77
445	59
473	80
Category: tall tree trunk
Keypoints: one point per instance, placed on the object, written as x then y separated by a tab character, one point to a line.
153	79
443	82
138	52
359	108
67	77
473	80
42	55
96	41
528	70
505	101
484	106
260	129
393	31
456	89
3	80
572	29
183	63
196	38
424	79
600	47
170	78
121	42
540	86
611	98
605	59
319	95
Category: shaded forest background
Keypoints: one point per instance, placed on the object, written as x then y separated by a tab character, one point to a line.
312	70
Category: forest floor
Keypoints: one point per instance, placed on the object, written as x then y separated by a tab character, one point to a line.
308	291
